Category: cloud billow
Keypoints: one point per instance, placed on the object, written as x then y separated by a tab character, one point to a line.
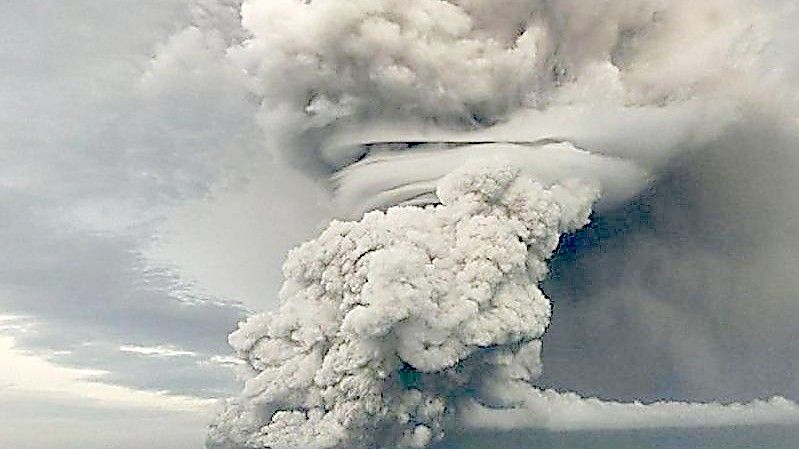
389	99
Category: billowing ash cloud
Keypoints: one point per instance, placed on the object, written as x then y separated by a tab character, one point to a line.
469	63
355	80
393	326
387	322
427	308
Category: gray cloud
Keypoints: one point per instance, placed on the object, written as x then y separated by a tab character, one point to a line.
690	292
103	137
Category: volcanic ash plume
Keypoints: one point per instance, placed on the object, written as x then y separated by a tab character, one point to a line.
428	308
394	326
385	321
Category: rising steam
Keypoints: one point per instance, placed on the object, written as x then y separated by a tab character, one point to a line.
465	137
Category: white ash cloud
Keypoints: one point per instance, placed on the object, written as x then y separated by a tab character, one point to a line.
386	321
471	61
635	84
466	65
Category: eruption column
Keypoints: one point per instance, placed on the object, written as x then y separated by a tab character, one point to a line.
427	308
393	327
386	323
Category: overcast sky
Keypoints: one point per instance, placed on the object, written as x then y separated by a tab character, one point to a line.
96	331
142	219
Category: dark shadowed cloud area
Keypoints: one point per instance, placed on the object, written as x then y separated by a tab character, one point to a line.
149	196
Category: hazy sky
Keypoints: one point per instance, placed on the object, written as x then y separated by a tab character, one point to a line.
94	336
142	219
